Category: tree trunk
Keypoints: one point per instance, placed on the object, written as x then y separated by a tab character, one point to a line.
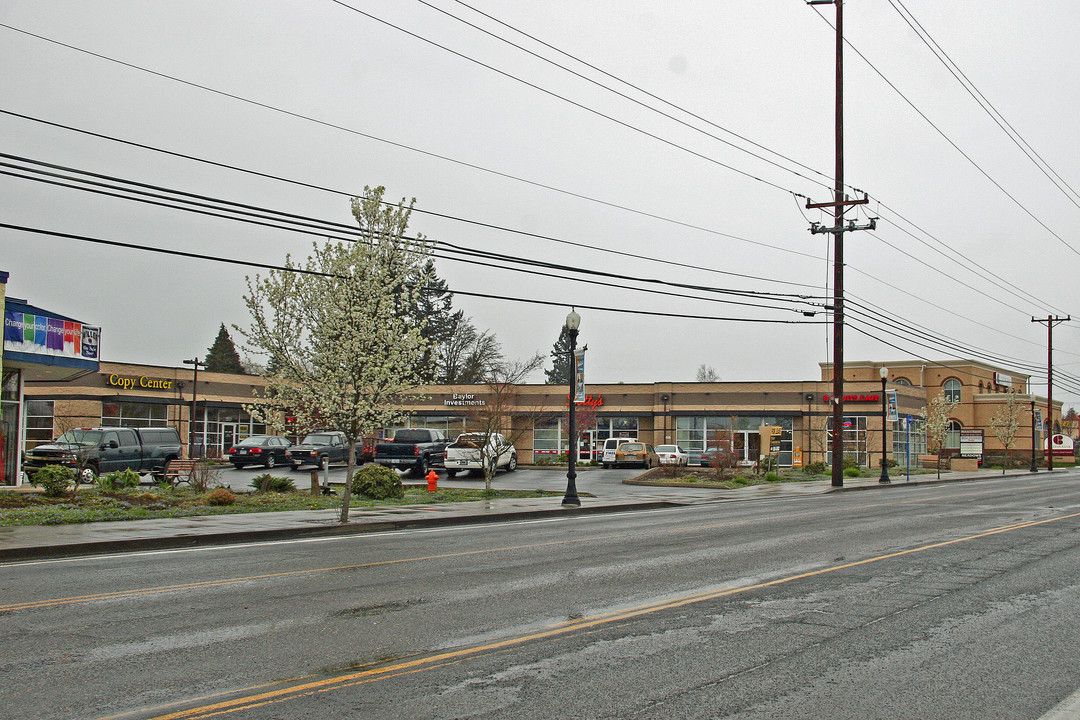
347	494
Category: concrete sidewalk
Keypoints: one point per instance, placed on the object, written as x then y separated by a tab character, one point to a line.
49	541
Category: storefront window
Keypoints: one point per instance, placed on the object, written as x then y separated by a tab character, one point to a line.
451	425
39	422
854	439
547	436
909	443
134	414
696	434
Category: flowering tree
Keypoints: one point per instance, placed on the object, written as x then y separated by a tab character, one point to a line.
937	413
1006	424
344	346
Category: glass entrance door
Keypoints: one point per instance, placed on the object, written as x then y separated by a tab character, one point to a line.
229	436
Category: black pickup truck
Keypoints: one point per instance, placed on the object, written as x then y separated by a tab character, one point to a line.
414	449
320	449
93	450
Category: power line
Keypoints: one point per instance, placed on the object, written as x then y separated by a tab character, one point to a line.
478	223
561	303
988	107
296	223
624	95
949	140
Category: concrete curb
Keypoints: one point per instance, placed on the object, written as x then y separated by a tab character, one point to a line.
210	539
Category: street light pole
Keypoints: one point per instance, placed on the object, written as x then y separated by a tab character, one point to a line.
194	406
884	422
571	499
1034	465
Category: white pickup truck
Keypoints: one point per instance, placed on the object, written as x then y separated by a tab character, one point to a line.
464	453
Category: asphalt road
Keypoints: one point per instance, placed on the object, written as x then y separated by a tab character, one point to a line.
950	601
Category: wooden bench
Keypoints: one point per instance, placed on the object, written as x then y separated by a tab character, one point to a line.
179	471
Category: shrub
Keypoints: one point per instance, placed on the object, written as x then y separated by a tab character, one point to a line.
54	479
118	480
817	468
221	496
377	483
773	477
852	472
206	472
268	483
767	464
850	462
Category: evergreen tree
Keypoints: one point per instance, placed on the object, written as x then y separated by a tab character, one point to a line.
222	355
559	374
433	312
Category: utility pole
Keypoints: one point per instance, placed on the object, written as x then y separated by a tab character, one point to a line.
838	205
1050	322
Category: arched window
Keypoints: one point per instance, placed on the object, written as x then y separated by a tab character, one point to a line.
902	381
952	390
952	439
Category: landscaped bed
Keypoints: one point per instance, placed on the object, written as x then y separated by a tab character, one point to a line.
34	508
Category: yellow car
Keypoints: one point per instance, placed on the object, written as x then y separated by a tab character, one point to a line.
636	453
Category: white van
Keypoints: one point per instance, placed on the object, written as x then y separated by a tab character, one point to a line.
610	446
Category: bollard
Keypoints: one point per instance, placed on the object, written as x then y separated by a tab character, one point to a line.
432	480
315	487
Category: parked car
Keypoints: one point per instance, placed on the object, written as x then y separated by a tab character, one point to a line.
672	455
610	446
728	456
637	453
266	450
91	451
465	453
320	449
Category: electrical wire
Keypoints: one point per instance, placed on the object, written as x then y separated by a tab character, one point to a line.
553	303
950	141
965	82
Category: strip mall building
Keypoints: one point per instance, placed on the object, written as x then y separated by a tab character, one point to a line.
661	412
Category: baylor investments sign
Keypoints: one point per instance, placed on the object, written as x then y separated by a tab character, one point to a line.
463	400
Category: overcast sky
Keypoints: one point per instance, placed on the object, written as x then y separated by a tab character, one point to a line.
975	236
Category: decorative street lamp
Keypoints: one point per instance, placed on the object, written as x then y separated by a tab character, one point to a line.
884	423
1034	465
571	499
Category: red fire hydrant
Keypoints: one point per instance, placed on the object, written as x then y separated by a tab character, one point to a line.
432	480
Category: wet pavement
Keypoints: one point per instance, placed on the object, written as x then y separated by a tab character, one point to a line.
44	541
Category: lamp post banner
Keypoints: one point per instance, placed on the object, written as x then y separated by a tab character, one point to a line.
893	415
579	372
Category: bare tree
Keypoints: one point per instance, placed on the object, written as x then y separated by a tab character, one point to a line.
707	373
1006	424
492	424
937	413
720	450
466	356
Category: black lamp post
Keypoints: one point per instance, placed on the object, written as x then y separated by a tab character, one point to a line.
884	423
571	499
1034	465
194	406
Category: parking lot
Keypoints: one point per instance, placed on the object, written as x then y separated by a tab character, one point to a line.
593	480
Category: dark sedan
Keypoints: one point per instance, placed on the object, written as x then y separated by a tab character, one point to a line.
265	450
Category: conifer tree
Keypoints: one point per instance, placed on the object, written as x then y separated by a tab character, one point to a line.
559	374
222	355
